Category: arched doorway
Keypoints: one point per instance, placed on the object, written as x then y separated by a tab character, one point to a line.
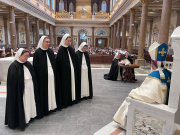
82	36
101	39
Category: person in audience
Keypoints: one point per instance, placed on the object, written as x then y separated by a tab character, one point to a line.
22	101
154	89
114	73
84	72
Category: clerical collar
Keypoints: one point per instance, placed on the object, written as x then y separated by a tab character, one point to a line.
65	46
43	48
20	61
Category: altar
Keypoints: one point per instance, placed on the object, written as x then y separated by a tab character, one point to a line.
4	65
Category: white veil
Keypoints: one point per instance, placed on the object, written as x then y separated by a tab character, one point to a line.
41	42
63	39
18	54
116	55
82	45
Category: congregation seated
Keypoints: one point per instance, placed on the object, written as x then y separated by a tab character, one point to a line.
154	89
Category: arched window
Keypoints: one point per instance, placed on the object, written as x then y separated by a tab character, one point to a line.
71	7
95	8
47	1
62	32
53	4
61	5
101	33
103	5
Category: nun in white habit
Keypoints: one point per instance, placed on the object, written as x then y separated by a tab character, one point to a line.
22	102
84	72
66	61
45	67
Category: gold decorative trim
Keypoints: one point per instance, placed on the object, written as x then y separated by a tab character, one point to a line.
164	90
154	78
145	2
124	17
62	14
102	15
132	10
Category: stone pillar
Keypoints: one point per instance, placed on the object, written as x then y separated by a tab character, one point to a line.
44	28
72	39
150	32
178	18
17	32
112	29
12	27
37	30
165	22
93	37
123	43
136	29
109	43
54	33
131	30
143	28
118	33
114	36
5	31
50	34
27	30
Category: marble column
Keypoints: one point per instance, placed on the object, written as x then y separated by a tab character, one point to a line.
93	45
12	27
72	39
178	18
136	36
118	33
5	31
37	30
50	34
114	36
109	41
123	43
112	29
131	30
165	22
44	28
17	32
143	28
26	15
54	33
150	31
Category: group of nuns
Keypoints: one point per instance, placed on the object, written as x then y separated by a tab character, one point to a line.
50	84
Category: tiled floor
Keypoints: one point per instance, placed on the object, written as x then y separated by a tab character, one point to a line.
84	118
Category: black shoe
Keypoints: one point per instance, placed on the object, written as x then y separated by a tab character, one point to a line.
135	79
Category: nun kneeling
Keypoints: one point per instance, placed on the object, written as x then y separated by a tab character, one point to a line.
84	72
22	102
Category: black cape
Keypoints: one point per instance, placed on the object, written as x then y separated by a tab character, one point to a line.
41	69
64	68
131	61
113	73
79	66
15	115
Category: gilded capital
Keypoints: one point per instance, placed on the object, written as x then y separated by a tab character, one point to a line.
144	2
26	15
124	17
132	10
119	20
37	19
11	8
44	22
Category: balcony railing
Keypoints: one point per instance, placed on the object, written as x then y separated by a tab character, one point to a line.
82	14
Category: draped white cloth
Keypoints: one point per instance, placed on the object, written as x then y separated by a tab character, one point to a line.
82	45
84	78
41	42
28	95
63	39
150	91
